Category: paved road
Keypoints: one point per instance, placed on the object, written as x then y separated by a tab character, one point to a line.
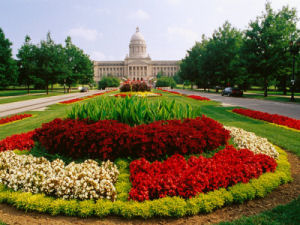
287	109
33	104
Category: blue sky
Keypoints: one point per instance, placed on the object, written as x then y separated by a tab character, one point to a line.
102	28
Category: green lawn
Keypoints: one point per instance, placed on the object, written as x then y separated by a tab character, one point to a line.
288	214
19	92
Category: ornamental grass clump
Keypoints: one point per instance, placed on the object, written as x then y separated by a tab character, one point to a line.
87	180
132	111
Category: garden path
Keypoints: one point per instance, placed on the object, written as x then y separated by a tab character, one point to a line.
286	109
282	195
22	106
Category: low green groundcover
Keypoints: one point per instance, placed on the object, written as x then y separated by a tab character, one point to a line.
166	207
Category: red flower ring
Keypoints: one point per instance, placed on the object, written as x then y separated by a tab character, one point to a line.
178	177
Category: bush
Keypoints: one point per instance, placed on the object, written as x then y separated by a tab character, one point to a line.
132	111
165	82
109	82
108	139
135	87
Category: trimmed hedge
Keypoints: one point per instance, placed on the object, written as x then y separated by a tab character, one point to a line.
166	207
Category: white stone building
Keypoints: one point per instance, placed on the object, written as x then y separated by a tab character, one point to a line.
137	66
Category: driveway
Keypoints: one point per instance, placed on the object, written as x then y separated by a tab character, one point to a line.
287	109
34	104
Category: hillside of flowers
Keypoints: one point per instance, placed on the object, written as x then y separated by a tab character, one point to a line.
136	157
14	118
272	118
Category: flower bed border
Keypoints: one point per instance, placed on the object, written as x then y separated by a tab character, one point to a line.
166	207
259	112
17	120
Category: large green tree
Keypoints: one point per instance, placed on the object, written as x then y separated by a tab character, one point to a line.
79	67
8	65
266	45
50	62
27	63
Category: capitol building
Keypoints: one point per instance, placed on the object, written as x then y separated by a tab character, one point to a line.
137	66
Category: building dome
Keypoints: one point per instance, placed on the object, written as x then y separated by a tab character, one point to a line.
137	46
137	36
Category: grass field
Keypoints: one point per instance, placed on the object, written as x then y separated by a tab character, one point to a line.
281	215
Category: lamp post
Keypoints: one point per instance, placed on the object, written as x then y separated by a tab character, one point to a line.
294	49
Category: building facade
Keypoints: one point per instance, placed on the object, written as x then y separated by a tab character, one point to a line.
137	65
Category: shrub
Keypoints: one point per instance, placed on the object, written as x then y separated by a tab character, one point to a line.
178	177
132	111
107	139
108	82
165	82
135	87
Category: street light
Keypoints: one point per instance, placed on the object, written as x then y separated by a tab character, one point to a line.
294	49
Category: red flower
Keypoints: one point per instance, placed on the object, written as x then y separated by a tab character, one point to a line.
198	97
13	118
178	177
273	118
108	139
22	141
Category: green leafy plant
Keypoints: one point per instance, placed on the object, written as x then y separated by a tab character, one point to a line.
132	111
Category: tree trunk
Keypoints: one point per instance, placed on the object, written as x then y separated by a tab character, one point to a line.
192	85
265	87
47	88
69	88
284	86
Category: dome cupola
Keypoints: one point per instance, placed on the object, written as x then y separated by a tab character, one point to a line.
137	46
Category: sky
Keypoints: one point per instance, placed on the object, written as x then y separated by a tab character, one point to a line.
102	28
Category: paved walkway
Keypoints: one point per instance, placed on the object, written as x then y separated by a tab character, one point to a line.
287	109
33	104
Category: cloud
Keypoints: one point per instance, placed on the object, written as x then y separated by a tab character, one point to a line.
99	56
85	33
187	35
139	15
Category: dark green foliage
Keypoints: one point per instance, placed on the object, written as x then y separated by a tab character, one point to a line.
132	110
108	82
165	82
8	66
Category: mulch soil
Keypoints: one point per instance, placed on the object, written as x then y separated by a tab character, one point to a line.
282	195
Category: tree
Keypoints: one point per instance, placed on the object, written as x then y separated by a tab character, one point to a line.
8	66
222	55
109	82
27	63
165	82
266	44
79	68
50	62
